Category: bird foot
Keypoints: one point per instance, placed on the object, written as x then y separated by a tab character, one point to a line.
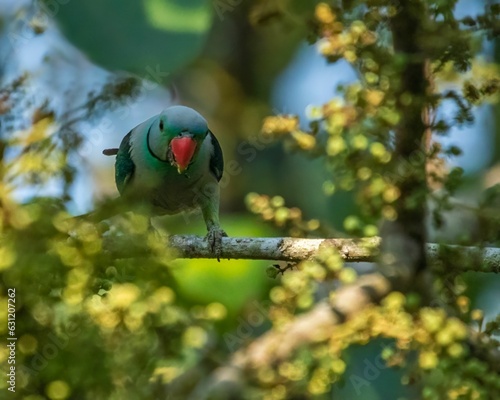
214	238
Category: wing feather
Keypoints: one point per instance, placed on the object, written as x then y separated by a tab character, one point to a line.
124	166
216	159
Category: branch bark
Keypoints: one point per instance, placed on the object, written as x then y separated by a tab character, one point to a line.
278	249
352	250
404	238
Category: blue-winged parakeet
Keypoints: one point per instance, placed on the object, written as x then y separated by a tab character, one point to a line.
173	162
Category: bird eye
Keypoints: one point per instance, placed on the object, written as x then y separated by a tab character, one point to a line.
161	125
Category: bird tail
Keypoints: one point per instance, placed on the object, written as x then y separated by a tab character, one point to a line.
110	152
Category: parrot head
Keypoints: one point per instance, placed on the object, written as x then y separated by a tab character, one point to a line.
176	136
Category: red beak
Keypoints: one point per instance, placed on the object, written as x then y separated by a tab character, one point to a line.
183	149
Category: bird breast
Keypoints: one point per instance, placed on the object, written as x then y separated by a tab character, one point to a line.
169	191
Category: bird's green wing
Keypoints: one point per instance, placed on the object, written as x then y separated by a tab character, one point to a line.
124	166
216	160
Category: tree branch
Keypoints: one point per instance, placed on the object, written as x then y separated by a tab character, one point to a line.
315	326
403	248
277	249
353	250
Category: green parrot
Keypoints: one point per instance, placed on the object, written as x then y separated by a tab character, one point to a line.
174	163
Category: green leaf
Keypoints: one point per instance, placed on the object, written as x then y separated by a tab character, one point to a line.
138	36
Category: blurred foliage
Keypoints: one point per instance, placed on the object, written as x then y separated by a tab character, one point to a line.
290	220
103	312
135	35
